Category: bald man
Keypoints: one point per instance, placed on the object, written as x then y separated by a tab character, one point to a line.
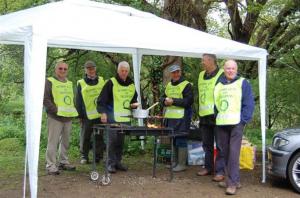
234	109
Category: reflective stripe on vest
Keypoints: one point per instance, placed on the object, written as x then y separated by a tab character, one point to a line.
122	97
90	94
63	97
172	91
206	93
228	100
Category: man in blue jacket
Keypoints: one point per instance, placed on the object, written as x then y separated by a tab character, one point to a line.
234	105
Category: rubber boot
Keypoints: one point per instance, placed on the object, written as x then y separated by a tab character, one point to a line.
182	156
174	159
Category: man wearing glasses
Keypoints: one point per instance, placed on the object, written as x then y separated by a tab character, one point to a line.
59	105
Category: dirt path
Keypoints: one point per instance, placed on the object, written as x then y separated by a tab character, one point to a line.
138	183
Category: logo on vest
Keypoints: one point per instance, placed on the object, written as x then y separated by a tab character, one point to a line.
67	100
224	105
126	104
202	98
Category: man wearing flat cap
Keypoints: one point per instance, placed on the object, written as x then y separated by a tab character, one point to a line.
88	90
178	100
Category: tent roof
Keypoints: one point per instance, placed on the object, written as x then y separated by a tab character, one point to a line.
83	24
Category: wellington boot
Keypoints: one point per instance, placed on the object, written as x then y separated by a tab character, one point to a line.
182	157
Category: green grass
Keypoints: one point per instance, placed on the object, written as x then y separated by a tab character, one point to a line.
12	155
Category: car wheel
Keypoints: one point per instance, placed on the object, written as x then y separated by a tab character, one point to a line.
294	172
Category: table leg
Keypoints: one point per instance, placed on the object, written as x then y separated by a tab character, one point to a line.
106	132
172	153
94	149
154	157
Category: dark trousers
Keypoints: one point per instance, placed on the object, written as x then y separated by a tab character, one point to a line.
230	139
115	151
85	139
209	136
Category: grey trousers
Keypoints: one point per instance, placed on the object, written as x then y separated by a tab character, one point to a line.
209	136
86	139
58	136
230	140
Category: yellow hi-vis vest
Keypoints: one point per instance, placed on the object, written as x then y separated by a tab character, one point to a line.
206	93
172	91
228	101
122	96
63	97
90	94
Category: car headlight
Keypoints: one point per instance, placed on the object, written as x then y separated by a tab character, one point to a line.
279	141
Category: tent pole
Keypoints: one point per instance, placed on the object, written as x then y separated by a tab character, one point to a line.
262	100
136	61
35	54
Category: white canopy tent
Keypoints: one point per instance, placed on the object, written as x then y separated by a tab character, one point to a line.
88	25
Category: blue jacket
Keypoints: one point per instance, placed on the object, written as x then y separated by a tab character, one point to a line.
247	98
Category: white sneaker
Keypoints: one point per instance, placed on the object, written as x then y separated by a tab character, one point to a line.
83	161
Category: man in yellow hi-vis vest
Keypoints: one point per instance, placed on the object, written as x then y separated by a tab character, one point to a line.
207	123
117	97
234	105
88	90
178	100
59	105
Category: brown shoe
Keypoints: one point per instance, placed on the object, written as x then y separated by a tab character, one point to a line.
203	172
230	190
223	184
218	178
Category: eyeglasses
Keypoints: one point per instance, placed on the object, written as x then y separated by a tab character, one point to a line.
65	69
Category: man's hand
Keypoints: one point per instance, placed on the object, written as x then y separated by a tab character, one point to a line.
103	118
168	101
134	105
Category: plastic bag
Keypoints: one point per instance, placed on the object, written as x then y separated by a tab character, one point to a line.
247	157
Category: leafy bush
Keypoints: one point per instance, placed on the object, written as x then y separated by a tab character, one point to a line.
254	136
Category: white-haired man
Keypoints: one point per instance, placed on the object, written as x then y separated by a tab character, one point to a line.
234	105
117	97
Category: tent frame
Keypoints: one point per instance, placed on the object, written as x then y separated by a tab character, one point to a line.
36	42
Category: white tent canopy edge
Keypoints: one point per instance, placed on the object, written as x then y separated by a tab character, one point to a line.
36	43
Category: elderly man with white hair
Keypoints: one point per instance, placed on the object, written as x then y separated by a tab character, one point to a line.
117	97
234	105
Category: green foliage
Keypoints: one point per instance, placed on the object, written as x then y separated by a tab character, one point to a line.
7	6
133	147
283	98
12	127
254	136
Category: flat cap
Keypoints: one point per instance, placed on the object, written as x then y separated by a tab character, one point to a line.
89	64
174	68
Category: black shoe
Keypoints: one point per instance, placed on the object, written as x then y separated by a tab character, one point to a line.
98	159
111	169
121	167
